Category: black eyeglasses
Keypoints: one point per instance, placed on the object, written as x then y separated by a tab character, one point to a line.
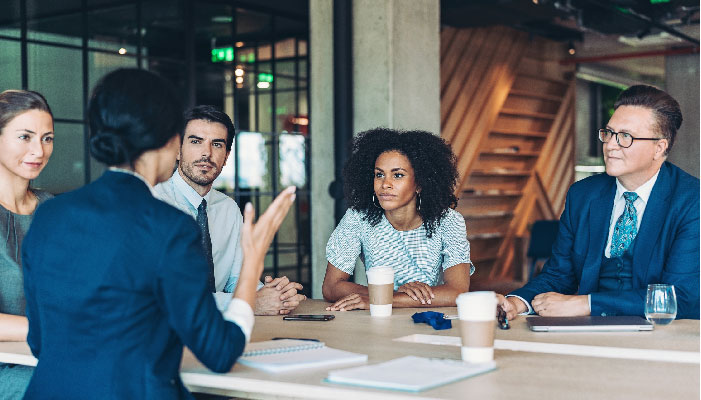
622	138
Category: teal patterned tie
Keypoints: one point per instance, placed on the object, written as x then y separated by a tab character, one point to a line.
626	227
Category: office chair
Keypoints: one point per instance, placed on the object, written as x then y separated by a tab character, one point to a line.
540	247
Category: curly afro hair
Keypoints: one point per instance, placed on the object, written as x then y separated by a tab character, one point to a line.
435	172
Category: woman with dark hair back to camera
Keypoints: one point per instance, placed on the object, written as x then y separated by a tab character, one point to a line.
116	280
400	188
26	143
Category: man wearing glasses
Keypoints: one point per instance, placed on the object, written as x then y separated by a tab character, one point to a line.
620	231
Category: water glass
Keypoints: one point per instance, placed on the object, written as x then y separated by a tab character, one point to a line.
660	304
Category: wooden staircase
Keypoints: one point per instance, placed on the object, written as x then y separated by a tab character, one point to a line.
508	112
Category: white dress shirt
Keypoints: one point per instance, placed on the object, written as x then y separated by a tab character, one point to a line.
619	205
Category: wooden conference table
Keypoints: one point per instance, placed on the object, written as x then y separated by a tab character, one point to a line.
522	375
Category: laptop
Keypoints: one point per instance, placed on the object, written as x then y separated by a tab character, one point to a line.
588	324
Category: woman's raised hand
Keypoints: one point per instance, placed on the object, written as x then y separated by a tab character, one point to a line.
256	238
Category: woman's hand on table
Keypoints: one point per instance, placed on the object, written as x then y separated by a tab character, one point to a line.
353	301
418	291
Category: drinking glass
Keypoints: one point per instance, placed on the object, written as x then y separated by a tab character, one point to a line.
660	304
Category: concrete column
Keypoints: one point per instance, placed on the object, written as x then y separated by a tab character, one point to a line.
682	83
396	64
322	142
396	84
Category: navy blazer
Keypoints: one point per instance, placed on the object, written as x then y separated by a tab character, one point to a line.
666	249
116	283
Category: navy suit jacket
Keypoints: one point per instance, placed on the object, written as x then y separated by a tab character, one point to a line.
116	283
666	249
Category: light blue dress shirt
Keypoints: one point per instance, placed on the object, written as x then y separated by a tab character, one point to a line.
225	223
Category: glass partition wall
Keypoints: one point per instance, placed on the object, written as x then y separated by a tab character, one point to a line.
248	58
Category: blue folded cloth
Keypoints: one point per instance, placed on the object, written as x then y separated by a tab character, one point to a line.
435	319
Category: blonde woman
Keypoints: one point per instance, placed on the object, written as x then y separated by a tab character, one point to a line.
26	143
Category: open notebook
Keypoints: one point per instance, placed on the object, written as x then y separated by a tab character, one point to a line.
291	355
409	373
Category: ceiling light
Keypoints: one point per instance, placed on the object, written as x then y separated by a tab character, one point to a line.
239	44
239	79
570	49
238	71
263	85
122	51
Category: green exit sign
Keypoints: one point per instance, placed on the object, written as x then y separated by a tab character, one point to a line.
264	77
659	1
223	54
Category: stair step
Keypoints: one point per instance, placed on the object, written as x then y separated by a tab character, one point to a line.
488	214
545	78
500	172
531	114
535	95
519	132
485	236
501	153
491	193
482	260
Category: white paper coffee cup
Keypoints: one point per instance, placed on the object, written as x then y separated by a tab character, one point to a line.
381	290
477	315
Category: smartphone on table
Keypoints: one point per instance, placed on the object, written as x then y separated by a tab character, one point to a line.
309	317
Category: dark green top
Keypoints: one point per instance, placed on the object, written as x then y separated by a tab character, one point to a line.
13	227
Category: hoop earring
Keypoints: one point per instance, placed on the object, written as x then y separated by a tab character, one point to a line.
376	204
418	201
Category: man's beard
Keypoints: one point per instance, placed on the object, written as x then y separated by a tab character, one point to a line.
191	172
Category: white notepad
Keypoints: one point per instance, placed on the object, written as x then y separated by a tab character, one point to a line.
292	355
410	373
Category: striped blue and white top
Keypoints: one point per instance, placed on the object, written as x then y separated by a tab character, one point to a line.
413	255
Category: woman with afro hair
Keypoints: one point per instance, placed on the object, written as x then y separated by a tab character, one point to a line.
400	186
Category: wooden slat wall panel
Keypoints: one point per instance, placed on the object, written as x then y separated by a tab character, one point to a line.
447	37
450	60
455	98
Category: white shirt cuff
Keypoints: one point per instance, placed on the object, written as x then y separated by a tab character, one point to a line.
589	298
222	299
530	309
240	313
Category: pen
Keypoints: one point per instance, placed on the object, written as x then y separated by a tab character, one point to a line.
295	338
501	318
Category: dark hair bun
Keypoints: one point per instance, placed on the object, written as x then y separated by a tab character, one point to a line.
109	148
132	111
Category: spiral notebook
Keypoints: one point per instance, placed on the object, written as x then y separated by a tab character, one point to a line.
292	355
279	346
